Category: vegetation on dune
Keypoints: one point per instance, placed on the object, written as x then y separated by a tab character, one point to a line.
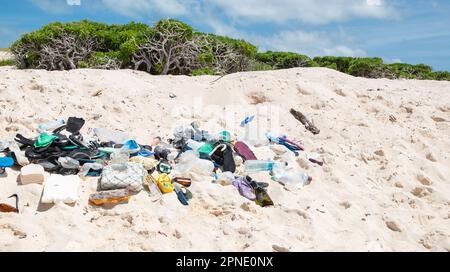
172	47
284	60
376	68
8	62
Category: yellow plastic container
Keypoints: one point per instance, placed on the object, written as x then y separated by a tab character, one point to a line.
164	183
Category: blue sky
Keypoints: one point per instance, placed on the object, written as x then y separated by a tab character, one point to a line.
415	31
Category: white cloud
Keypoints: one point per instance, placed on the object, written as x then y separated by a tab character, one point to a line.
145	8
310	43
52	6
391	61
306	11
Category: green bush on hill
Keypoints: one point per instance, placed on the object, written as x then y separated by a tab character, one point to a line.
284	60
408	71
8	62
173	47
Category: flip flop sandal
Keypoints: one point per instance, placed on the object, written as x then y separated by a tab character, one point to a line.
48	166
181	197
24	141
263	184
187	193
67	172
5	162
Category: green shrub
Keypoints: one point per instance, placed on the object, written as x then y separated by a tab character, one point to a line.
284	60
8	62
342	64
123	39
408	71
202	72
441	76
260	66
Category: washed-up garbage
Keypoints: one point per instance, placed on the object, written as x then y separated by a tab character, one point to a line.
314	158
262	197
131	147
119	156
105	135
223	156
292	179
283	140
164	167
124	165
47	127
6	208
110	197
253	190
186	182
32	173
180	194
61	189
244	188
244	151
5	162
154	192
190	163
148	163
69	163
164	183
261	166
18	154
194	145
162	153
88	168
224	179
123	176
247	120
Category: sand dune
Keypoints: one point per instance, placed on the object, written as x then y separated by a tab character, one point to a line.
5	55
384	187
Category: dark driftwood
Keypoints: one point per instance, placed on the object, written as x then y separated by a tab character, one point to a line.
302	118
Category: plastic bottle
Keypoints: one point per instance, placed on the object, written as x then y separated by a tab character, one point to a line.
194	145
106	135
120	156
89	166
203	167
21	159
51	125
295	179
110	197
247	120
260	166
189	162
224	179
69	163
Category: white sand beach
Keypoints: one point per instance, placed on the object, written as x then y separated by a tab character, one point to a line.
384	186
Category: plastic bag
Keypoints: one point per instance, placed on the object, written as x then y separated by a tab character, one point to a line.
106	135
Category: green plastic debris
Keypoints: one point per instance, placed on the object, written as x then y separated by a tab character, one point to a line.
44	140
